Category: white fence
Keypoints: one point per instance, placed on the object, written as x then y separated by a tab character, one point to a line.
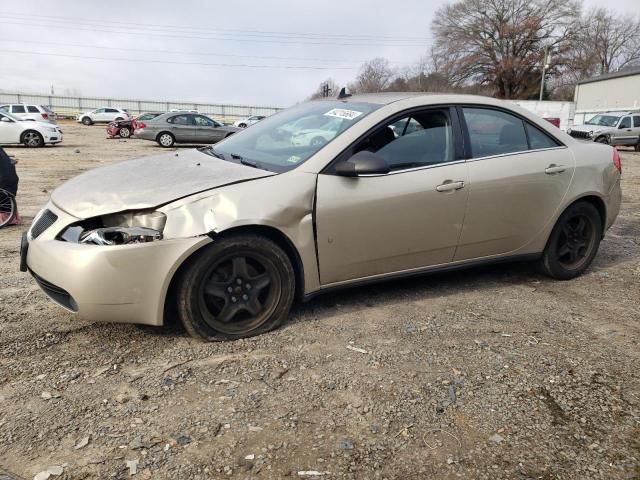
565	111
71	106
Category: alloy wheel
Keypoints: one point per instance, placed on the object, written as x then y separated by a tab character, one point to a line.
575	241
32	139
166	140
239	293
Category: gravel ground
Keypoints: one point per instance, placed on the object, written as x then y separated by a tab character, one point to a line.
491	373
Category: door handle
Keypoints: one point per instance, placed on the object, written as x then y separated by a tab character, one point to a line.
450	186
553	169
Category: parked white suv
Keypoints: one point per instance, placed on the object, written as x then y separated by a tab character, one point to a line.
14	130
27	111
103	115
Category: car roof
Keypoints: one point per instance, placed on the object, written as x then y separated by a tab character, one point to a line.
426	98
616	114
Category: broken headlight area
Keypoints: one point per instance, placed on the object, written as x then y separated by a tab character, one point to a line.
117	229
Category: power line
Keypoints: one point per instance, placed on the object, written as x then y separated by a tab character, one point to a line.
217	38
229	31
177	52
164	62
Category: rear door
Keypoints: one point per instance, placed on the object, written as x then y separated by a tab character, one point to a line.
183	128
19	111
408	219
636	129
518	177
207	130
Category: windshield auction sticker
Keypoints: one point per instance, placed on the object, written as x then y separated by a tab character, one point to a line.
342	113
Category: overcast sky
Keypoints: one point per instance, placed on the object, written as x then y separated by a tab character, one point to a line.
327	38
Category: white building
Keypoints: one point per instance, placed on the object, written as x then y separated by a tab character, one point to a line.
612	92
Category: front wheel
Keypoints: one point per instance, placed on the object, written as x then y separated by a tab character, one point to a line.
32	139
8	207
604	139
237	287
124	132
242	125
574	242
166	140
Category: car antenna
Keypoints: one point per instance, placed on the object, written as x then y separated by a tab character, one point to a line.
343	93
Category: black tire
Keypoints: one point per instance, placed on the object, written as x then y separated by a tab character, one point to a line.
32	139
229	134
237	287
165	139
573	243
603	139
637	147
242	125
87	121
124	132
8	207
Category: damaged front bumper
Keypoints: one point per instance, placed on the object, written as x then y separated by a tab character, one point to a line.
111	283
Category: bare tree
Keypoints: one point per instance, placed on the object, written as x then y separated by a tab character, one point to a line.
501	43
375	76
613	41
333	89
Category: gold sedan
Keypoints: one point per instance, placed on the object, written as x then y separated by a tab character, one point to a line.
401	184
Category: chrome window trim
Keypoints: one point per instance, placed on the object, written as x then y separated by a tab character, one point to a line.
519	152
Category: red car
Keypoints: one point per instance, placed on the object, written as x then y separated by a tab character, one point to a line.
124	128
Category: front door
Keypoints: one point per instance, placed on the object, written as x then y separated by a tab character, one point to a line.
207	130
624	134
408	219
518	177
183	128
9	130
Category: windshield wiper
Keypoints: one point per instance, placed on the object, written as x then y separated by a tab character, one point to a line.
210	151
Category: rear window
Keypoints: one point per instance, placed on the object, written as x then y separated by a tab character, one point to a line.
33	109
538	139
636	121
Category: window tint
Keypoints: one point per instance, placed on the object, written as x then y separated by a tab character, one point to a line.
18	109
4	108
180	120
33	109
636	120
538	139
111	110
204	121
493	132
625	123
423	139
100	110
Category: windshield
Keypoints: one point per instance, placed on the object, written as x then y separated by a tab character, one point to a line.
603	121
285	140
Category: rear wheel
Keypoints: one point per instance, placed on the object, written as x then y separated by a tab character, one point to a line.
32	139
574	242
87	121
237	287
242	125
8	207
637	147
166	140
124	132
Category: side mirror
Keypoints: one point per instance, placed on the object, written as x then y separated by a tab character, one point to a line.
362	163
622	127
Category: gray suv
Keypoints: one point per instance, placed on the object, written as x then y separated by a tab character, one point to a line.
613	128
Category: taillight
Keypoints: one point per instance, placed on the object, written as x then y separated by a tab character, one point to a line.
617	162
141	125
45	116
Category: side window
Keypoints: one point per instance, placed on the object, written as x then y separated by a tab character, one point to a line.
180	120
422	139
111	110
538	139
493	132
636	120
33	109
4	108
17	109
204	121
100	110
625	123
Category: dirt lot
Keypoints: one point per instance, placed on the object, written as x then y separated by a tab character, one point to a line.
490	373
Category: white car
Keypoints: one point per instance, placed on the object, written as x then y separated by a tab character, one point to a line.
245	122
25	111
14	130
103	115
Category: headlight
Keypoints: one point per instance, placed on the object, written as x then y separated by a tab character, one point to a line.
118	229
52	130
591	133
568	131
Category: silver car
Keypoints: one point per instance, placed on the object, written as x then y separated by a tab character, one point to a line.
227	236
612	128
182	127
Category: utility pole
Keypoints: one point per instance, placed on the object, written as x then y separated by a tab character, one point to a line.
545	64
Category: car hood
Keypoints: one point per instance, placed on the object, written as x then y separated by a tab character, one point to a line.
148	183
31	123
588	128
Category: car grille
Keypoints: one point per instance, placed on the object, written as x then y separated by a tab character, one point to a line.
44	221
578	134
56	293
